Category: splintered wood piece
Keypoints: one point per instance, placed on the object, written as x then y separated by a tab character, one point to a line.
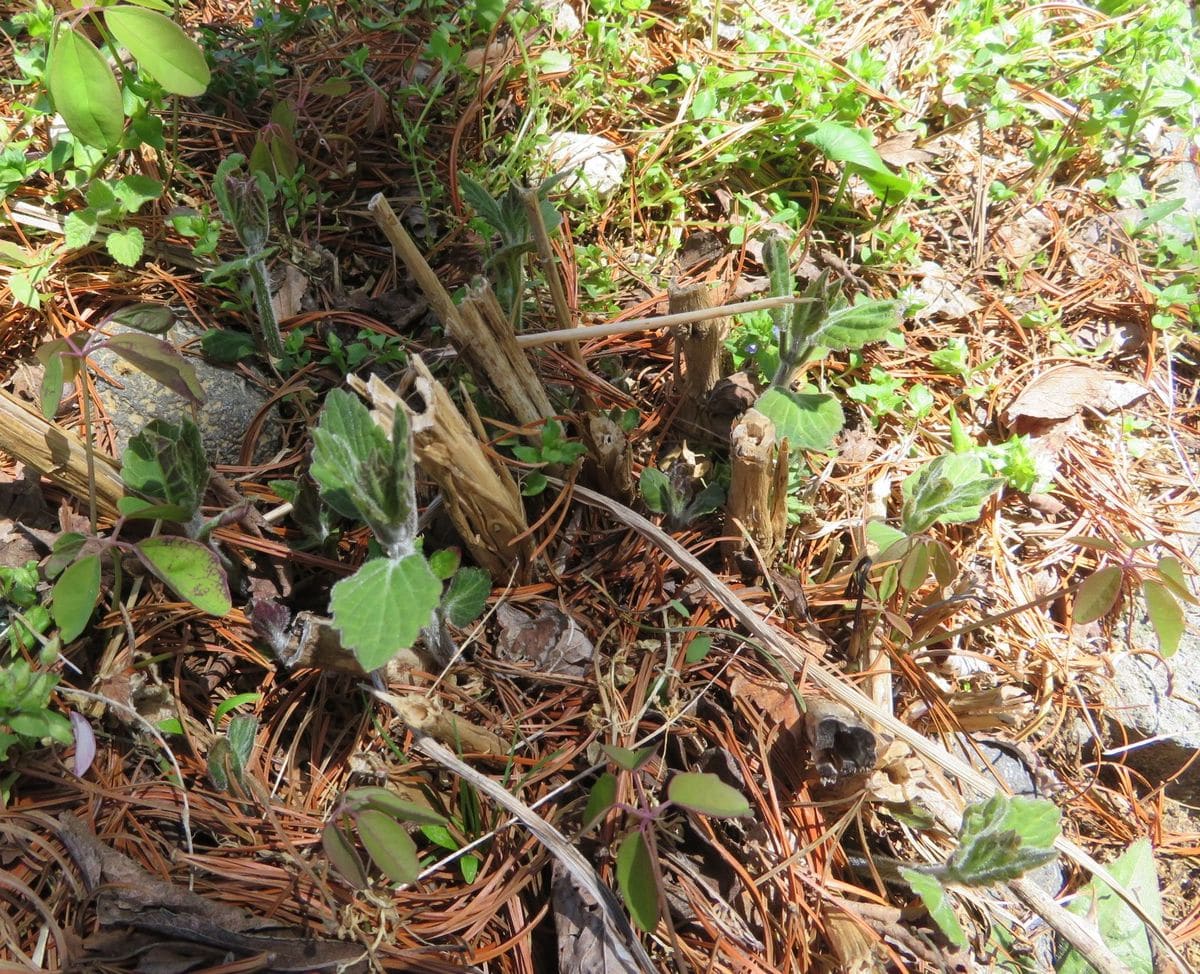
757	486
481	498
701	344
57	454
609	464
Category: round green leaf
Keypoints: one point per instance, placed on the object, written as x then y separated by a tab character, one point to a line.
708	794
635	878
161	49
1097	594
84	91
389	845
75	595
1166	615
190	569
807	420
382	608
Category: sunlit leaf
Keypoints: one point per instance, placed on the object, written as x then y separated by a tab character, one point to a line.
624	758
191	569
1097	594
807	420
84	91
600	799
937	903
161	49
708	794
635	879
382	608
1166	616
160	361
1170	570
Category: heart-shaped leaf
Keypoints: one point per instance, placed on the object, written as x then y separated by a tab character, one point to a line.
808	420
382	608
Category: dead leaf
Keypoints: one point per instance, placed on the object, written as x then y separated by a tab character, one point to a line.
1063	391
902	150
942	294
770	697
583	944
552	641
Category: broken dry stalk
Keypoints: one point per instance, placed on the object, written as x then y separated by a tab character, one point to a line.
701	346
757	487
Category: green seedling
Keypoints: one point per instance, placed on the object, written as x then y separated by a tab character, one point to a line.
1000	839
364	474
639	877
378	818
677	496
552	449
230	753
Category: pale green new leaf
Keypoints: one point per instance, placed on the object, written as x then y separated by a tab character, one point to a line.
929	888
635	878
345	442
656	490
382	608
191	569
74	596
84	91
467	595
1170	571
808	420
126	246
1119	927
708	794
161	49
950	489
1166	616
1098	594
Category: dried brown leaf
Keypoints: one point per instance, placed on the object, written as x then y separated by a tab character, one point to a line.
1066	390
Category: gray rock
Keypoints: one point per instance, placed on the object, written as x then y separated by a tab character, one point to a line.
231	402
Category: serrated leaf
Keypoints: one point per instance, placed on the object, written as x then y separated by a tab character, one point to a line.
126	246
389	845
635	879
853	326
344	856
445	563
382	608
941	911
1166	616
467	595
166	461
656	490
344	441
388	802
626	759
74	596
160	361
706	793
1098	594
600	799
191	569
1119	928
161	49
135	190
84	91
79	228
808	420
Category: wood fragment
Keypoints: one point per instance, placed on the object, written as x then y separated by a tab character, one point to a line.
481	497
757	487
698	365
57	454
609	464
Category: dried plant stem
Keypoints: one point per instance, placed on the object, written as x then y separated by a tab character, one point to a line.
701	346
758	486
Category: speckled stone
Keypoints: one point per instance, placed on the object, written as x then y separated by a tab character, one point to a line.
230	405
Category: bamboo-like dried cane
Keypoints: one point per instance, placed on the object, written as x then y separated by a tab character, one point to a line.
757	486
701	346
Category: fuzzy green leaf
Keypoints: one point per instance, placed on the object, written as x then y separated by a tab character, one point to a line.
382	608
126	246
191	569
351	459
1166	616
389	845
84	91
808	420
937	903
1098	594
950	489
79	228
1002	839
74	596
635	878
445	563
166	461
160	361
708	794
161	49
467	595
656	490
853	326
